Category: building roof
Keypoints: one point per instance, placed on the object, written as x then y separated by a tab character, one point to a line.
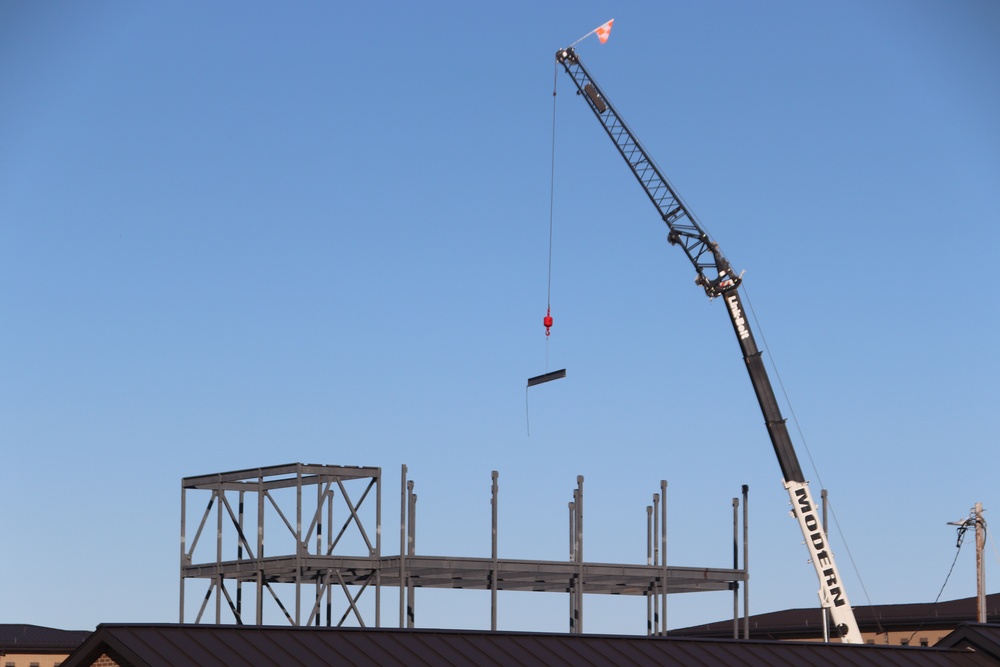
23	638
257	646
941	614
984	638
800	623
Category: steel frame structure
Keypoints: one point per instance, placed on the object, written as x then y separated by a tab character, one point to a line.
301	525
322	525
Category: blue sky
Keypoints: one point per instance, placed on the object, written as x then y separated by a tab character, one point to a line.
244	234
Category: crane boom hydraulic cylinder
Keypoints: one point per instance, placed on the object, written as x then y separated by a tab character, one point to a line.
716	277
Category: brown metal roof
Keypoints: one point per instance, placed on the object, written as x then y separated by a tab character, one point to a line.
947	613
984	638
23	638
247	646
792	623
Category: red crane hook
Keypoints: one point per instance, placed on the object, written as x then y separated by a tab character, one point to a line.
547	321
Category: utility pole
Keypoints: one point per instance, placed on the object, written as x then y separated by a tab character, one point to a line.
976	520
980	563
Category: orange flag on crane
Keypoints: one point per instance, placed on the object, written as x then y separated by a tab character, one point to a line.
604	31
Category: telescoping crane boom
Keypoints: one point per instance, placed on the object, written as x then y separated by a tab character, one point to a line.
716	277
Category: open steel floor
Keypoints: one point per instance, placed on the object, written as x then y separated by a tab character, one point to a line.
294	507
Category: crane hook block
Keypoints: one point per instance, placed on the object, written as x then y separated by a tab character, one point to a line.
547	321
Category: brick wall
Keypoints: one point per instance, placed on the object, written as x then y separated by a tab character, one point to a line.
112	660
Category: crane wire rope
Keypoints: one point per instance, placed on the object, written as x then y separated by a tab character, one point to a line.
552	199
812	462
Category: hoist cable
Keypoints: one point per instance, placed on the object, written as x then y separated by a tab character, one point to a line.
854	565
552	199
802	439
552	183
781	385
527	416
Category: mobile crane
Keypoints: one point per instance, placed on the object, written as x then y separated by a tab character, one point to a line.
715	275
